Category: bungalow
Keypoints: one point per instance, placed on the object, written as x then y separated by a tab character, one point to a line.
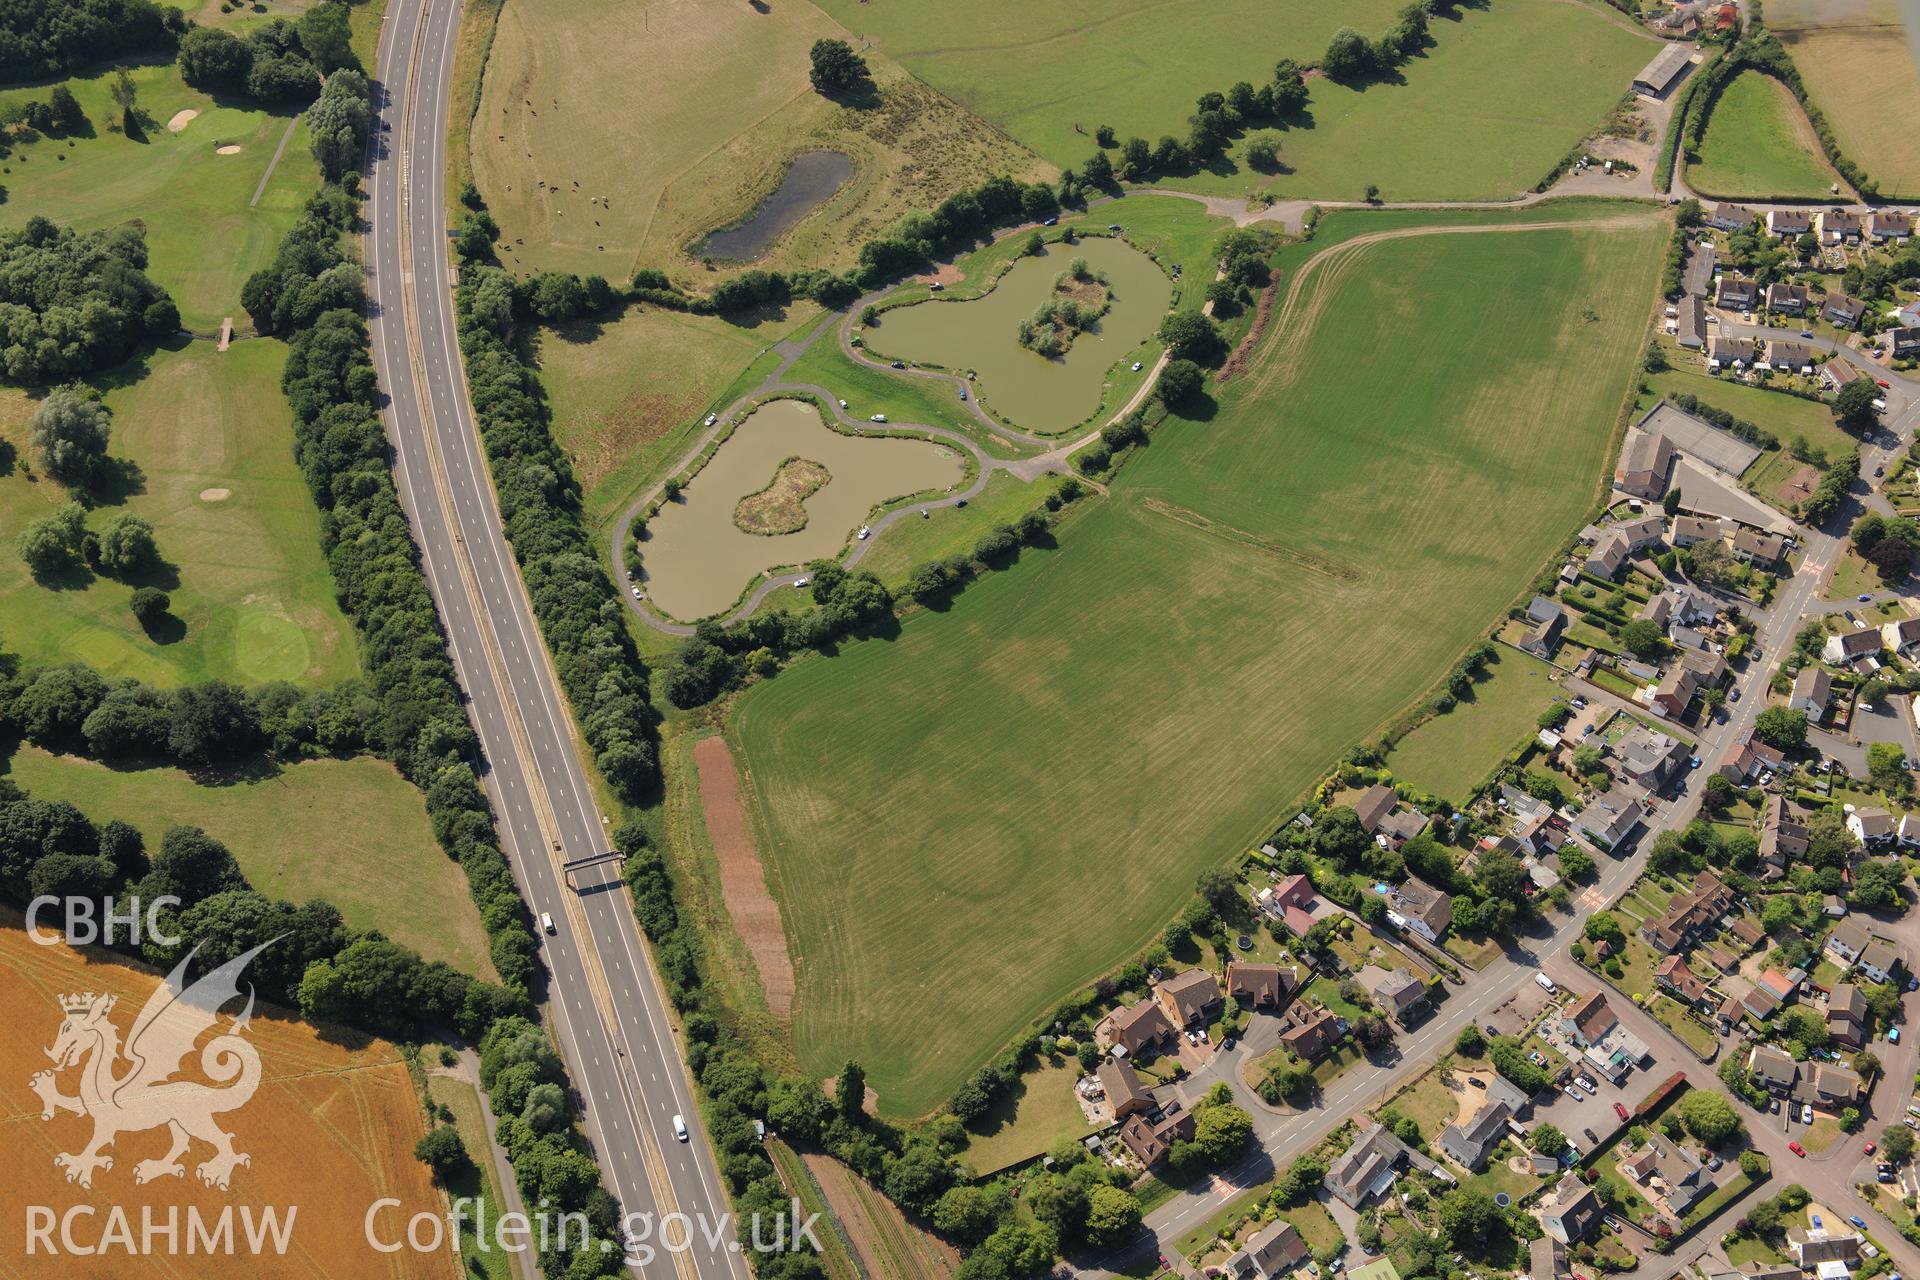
1373	804
1609	819
1837	373
1846	942
1399	827
1661	1164
1755	758
1836	226
1550	623
1367	1167
1889	224
1812	690
1651	758
1570	1211
1645	462
1729	217
1773	1069
1647	531
1762	550
1190	998
1878	960
1149	1140
1789	357
1843	309
1274	1250
1871	826
1903	637
1834	1086
1398	992
1588	1019
1141	1026
1788	222
1903	342
1731	353
1847	1015
1748	931
1682	982
1811	1246
1787	299
1688	530
1420	907
1736	293
1760	1002
1845	647
1698	276
1689	916
1310	1030
1690	326
1472	1144
1125	1094
1265	987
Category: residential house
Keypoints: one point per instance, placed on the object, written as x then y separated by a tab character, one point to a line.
1669	1169
1643	533
1783	838
1812	690
1367	1167
1274	1250
1125	1094
1910	830
1736	293
1681	982
1547	1259
1903	637
1263	987
1293	900
1609	819
1190	998
1395	990
1549	624
1645	461
1399	827
1672	696
1571	1211
1690	915
1690	326
1773	1069
1731	353
1767	1271
1847	941
1137	1027
1308	1030
1846	647
1761	550
1373	804
1149	1140
1787	299
1472	1144
1878	960
1889	224
1788	357
1811	1246
1664	71
1847	1015
1728	217
1833	1086
1588	1019
1836	226
1697	278
1688	530
1843	309
1837	373
1420	907
1607	556
1748	931
1903	341
1788	222
1755	758
1651	758
1870	826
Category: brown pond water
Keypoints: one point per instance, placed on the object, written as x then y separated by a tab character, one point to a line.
983	334
694	561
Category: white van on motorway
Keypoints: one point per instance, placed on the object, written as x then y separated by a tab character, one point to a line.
546	922
679	1127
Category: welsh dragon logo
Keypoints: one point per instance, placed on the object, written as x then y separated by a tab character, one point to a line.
130	1087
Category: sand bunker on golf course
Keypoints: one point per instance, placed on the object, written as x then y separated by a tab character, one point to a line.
181	119
231	149
215	495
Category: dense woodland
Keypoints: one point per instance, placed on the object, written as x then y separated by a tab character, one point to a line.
41	38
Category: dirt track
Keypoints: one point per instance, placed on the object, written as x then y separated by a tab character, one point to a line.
743	883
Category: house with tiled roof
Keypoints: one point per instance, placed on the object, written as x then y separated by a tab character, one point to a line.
1846	647
1570	1212
1871	826
1264	987
1418	906
1308	1030
1690	915
1843	309
1812	690
1847	1015
1736	293
1731	353
1788	222
1773	1069
1611	818
1190	998
1729	217
1472	1143
1149	1140
1588	1019
1274	1250
1889	224
1788	299
1368	1166
1680	981
1142	1026
1124	1092
1878	960
1398	992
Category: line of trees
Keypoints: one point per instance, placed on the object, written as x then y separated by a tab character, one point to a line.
277	62
47	38
74	302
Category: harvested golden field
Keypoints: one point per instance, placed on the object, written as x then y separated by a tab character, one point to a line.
329	1131
588	172
1860	68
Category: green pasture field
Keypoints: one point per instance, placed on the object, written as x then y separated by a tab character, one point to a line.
477	1181
1785	416
726	105
203	239
350	831
629	394
967	819
1488	111
1451	754
1759	144
254	598
1859	69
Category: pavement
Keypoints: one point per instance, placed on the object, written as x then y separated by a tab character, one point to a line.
605	1007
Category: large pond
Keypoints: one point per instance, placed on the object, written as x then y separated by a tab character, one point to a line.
982	334
695	561
810	180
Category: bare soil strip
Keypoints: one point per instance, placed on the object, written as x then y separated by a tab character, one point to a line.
781	506
887	1244
743	884
1237	362
1227	533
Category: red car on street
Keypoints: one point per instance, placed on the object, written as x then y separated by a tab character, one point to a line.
1620	1110
1797	1149
1870	1148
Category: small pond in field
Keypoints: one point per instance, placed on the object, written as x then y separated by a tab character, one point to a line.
983	334
810	180
694	561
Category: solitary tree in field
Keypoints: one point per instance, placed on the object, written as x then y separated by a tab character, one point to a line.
837	68
1263	153
69	431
